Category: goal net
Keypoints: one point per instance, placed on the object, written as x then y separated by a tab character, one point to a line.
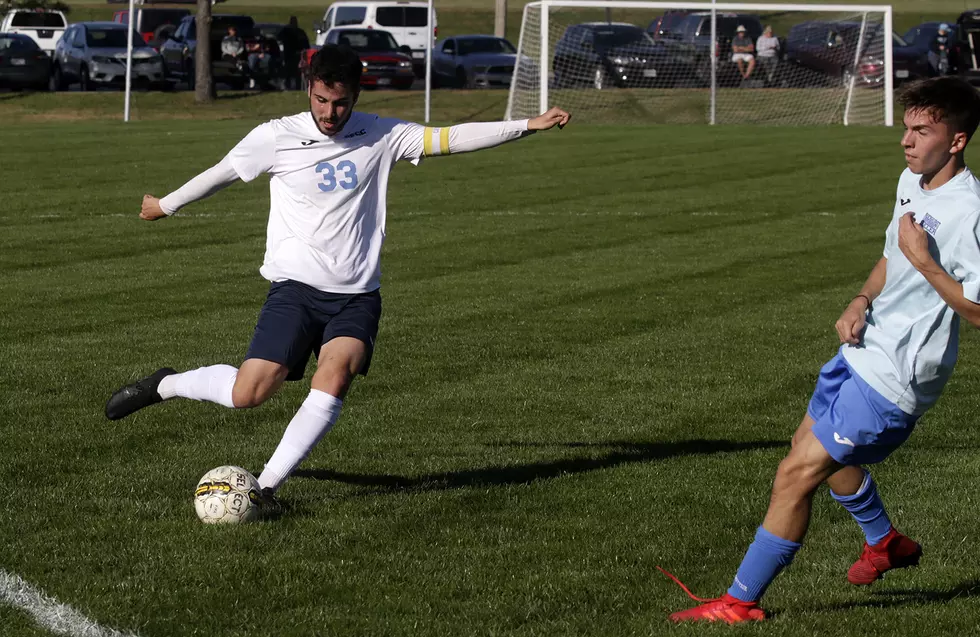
697	62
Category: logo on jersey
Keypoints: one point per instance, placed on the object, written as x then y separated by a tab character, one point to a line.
309	143
356	134
842	441
905	202
930	224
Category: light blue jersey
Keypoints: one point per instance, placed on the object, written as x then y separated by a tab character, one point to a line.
909	346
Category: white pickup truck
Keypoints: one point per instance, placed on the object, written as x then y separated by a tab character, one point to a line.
43	26
406	20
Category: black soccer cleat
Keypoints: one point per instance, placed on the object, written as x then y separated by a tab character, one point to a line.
140	394
270	507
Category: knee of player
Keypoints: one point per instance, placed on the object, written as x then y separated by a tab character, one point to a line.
245	396
333	379
797	476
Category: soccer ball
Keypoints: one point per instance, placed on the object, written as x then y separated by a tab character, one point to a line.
227	495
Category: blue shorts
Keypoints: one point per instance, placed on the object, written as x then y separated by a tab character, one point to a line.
298	319
853	422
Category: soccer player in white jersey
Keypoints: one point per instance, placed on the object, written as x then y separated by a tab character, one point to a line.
899	338
329	169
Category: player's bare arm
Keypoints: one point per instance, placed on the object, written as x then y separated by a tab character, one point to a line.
151	210
553	117
914	243
852	321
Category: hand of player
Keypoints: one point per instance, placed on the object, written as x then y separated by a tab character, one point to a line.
554	116
151	210
913	240
852	321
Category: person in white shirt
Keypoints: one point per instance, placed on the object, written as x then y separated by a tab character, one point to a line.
899	338
329	169
767	49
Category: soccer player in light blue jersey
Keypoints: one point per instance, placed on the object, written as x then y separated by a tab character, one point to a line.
899	338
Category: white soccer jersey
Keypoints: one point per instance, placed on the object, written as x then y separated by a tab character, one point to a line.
328	195
910	343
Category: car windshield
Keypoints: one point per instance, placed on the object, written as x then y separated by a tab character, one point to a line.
8	43
620	36
37	19
368	40
111	38
485	45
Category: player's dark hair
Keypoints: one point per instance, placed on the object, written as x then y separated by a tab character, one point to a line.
334	64
947	99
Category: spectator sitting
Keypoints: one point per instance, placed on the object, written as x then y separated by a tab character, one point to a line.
767	48
742	52
232	46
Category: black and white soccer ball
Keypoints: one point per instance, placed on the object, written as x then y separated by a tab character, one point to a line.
227	495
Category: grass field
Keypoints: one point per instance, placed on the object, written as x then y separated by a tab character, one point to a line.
596	344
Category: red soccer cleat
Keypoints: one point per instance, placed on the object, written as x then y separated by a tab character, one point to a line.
726	608
894	551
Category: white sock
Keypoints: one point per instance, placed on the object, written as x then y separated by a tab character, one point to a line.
213	384
314	419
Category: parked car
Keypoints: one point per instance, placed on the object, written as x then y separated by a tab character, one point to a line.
385	62
608	54
405	21
666	23
180	50
917	48
43	26
824	53
23	64
155	25
689	42
94	54
474	61
966	50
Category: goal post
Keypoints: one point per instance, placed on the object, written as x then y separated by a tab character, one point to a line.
632	61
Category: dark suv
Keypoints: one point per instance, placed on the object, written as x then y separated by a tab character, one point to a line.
824	53
666	23
605	54
690	43
966	49
179	51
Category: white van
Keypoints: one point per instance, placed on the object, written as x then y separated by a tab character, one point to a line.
406	21
43	26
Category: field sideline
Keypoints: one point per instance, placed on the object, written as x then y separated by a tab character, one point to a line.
596	344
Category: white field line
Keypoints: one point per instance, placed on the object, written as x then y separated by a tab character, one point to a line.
48	612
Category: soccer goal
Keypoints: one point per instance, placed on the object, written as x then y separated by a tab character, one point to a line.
696	62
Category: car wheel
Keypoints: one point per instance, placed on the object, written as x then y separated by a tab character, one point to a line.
84	81
600	79
57	80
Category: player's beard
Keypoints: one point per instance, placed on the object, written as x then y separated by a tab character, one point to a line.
334	128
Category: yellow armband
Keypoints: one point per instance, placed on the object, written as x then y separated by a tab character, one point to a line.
435	141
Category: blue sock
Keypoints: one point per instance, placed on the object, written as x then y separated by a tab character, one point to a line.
766	557
867	509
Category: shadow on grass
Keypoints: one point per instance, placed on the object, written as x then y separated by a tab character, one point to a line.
613	454
910	597
12	95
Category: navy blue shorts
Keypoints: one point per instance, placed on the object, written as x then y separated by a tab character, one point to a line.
298	319
853	422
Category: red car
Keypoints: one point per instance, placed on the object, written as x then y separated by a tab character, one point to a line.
385	63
